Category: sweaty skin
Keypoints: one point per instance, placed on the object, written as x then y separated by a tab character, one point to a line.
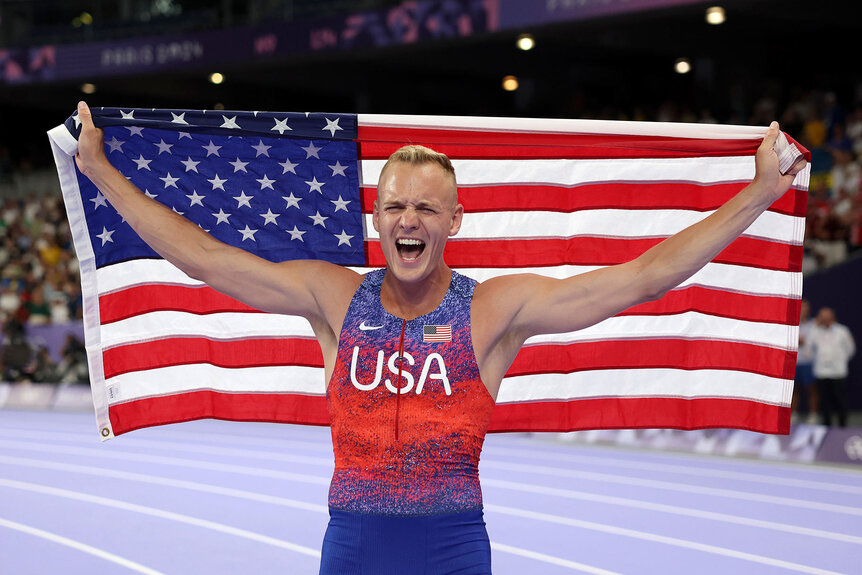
415	213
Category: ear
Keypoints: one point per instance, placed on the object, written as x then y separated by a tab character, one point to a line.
375	217
457	217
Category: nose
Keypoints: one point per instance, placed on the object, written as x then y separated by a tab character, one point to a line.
409	219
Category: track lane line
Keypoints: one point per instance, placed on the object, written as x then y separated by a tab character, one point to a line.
651	537
159	513
78	546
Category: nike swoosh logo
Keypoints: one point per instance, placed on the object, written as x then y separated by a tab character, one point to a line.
364	327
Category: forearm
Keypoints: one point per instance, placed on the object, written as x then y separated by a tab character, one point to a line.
172	236
674	260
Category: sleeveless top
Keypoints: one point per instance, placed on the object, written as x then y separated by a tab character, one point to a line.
407	445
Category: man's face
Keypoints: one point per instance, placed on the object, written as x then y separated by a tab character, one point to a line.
415	213
826	317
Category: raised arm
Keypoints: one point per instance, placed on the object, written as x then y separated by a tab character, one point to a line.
520	306
312	289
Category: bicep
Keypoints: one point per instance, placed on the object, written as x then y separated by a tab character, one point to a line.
300	287
550	305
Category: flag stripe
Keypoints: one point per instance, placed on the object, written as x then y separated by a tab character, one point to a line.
533	359
605	195
187	406
690	325
138	300
639	382
627	413
633	224
601	413
653	382
731	278
380	142
570	174
592	251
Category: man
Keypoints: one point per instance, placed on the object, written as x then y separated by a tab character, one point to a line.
833	346
406	468
804	377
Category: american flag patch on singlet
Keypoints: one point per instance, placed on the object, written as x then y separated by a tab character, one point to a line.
437	333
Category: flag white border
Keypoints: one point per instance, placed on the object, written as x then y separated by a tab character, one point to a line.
64	147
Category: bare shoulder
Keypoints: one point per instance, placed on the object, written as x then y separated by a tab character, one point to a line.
496	303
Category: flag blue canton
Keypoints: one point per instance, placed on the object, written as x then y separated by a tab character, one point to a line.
290	195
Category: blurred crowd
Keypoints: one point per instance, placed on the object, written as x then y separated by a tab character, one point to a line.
40	282
39	285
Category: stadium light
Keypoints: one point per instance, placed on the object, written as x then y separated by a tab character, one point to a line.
526	42
510	83
682	66
715	15
88	88
216	78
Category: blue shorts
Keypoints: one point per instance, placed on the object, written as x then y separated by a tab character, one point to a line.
364	544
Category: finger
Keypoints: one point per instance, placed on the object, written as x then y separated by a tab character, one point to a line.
84	114
798	166
771	136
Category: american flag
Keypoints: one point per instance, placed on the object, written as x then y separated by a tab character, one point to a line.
553	197
438	333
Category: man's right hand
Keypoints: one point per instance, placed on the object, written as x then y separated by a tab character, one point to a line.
91	143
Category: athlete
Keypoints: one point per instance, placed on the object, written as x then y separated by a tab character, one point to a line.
405	495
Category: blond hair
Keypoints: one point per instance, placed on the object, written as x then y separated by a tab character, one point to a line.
416	155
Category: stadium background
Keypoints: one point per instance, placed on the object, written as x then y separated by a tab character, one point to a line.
611	59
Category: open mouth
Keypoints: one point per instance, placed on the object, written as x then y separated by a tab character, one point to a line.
409	249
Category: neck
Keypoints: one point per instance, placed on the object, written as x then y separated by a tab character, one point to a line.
408	300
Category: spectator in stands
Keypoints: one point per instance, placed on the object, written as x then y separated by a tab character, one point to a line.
38	310
833	346
804	389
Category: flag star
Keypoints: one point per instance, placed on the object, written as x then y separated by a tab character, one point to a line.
181	135
332	125
239	166
314	185
265	182
115	145
221	217
127	115
288	166
269	217
195	198
280	126
105	236
99	200
296	234
318	219
340	204
338	169
143	164
217	182
229	123
135	131
248	233
212	149
176	210
242	199
179	119
261	148
343	238
169	181
291	201
311	151
190	164
150	195
164	147
77	119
